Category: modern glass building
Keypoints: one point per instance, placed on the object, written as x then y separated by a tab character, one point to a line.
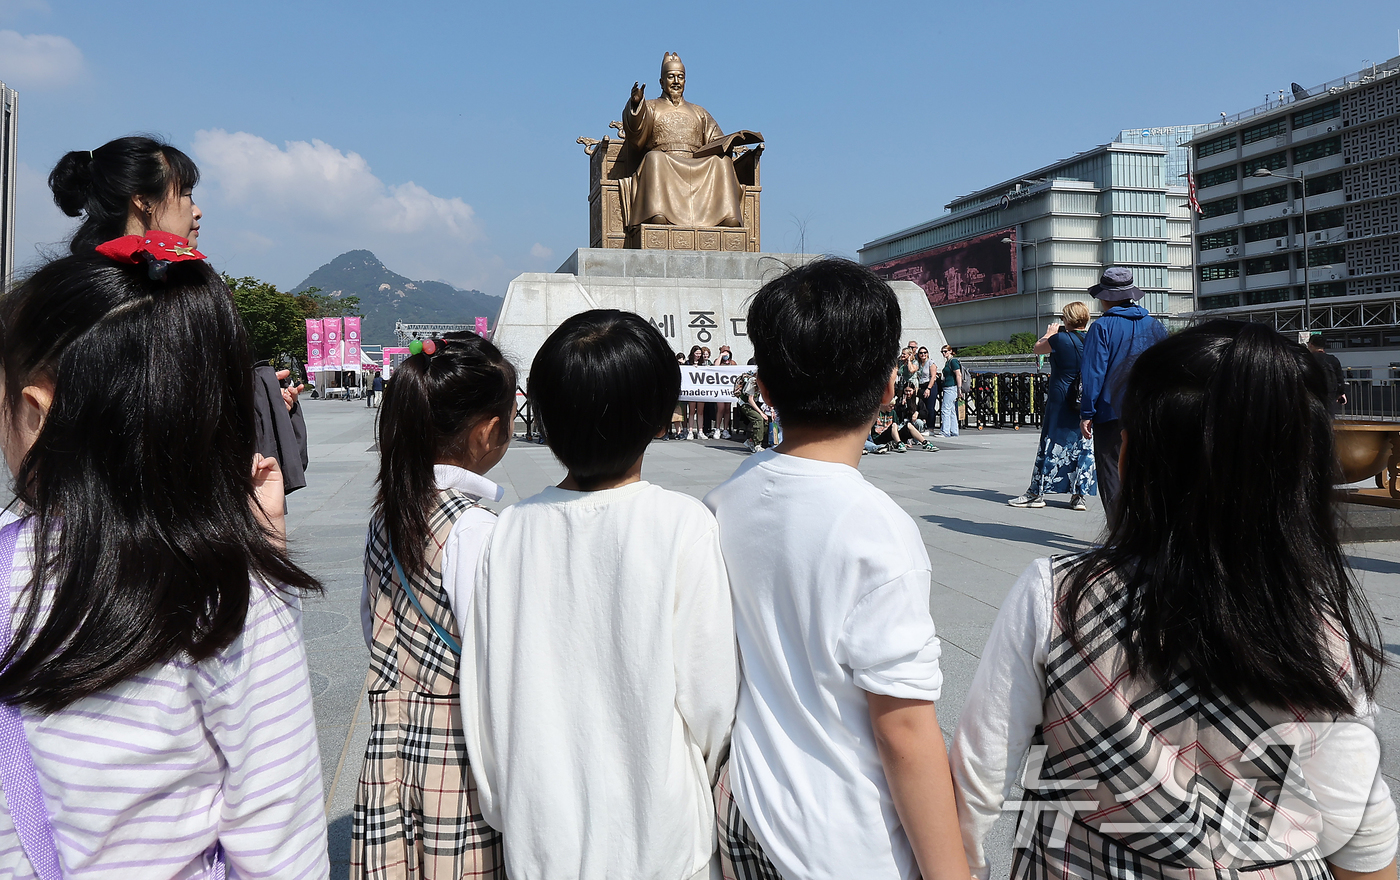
1007	258
9	143
1336	149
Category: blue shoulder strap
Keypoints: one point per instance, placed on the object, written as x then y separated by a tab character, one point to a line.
451	643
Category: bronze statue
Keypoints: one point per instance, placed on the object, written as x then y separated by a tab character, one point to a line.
686	174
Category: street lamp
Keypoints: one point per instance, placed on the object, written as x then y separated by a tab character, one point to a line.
1035	243
1302	181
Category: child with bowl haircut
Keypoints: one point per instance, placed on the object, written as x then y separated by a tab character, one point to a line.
837	768
599	672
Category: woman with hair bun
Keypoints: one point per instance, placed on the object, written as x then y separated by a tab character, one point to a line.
136	185
129	186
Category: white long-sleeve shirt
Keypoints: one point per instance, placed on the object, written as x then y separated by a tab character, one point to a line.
142	779
603	683
1006	704
461	549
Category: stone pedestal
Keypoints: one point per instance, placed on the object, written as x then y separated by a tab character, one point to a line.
692	297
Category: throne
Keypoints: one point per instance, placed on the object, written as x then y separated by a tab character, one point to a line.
611	161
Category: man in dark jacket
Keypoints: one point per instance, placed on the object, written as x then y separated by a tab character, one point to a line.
1333	368
1122	332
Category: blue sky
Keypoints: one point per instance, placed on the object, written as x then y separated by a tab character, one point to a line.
441	136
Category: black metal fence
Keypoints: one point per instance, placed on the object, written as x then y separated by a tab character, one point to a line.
1002	400
1372	400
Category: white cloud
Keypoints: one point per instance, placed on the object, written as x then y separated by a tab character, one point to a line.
312	198
540	252
38	60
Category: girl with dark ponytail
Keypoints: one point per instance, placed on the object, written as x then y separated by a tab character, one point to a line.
128	186
445	421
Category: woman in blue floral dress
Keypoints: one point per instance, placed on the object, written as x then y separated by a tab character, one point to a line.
1065	461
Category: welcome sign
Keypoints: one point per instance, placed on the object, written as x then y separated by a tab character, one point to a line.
710	384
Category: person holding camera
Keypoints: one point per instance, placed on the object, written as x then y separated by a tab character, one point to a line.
1065	459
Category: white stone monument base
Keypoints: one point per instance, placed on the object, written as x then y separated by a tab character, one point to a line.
692	297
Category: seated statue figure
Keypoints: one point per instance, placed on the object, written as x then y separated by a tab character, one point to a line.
686	175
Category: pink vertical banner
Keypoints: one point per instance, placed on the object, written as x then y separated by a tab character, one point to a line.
481	327
332	326
352	342
315	345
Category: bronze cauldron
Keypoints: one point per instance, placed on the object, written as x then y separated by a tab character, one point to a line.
1369	449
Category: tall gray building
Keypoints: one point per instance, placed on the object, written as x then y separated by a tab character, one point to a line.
1007	258
9	143
1255	241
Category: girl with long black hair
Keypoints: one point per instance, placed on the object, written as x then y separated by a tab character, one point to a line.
155	704
446	420
1195	697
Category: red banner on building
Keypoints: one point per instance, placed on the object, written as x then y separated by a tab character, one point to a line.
315	345
333	336
975	268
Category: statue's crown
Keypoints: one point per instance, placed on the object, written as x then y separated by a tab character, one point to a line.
670	60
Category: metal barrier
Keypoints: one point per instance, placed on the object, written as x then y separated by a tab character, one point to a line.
525	413
1007	400
1375	401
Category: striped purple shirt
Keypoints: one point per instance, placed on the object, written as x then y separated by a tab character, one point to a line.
143	779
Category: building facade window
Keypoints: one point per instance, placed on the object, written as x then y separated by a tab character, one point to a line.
1260	297
1264	265
1220	301
1325	184
1264	197
1218	176
1309	152
1321	220
1261	231
1320	113
1219	145
1326	256
1265	130
1273	162
1222	271
1219	207
1328	288
1219	240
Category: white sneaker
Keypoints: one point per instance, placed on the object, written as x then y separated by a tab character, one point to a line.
690	434
1027	500
715	434
724	434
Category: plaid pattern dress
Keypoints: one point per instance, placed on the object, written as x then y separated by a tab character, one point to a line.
1129	778
741	856
416	812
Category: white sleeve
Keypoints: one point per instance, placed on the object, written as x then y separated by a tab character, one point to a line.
704	650
1004	706
889	642
1341	769
366	606
460	554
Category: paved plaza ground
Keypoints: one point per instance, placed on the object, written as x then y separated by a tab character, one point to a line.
957	497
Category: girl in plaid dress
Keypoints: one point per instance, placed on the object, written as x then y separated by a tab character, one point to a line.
1196	697
446	421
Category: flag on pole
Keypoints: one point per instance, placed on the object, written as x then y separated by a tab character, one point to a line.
352	343
332	326
315	345
1191	183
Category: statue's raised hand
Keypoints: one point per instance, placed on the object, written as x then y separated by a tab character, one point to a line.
638	92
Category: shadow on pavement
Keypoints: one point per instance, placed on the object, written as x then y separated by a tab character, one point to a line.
338	833
1005	532
1379	566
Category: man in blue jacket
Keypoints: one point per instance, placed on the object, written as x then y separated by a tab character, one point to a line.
1121	333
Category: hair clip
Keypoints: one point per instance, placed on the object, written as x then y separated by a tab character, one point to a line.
157	249
424	346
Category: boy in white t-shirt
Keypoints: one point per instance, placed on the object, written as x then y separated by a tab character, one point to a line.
598	665
837	766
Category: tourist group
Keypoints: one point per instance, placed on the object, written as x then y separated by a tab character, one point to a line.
614	680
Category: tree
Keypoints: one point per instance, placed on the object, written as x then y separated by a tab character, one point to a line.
274	320
315	304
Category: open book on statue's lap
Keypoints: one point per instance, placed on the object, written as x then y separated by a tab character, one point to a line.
724	145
